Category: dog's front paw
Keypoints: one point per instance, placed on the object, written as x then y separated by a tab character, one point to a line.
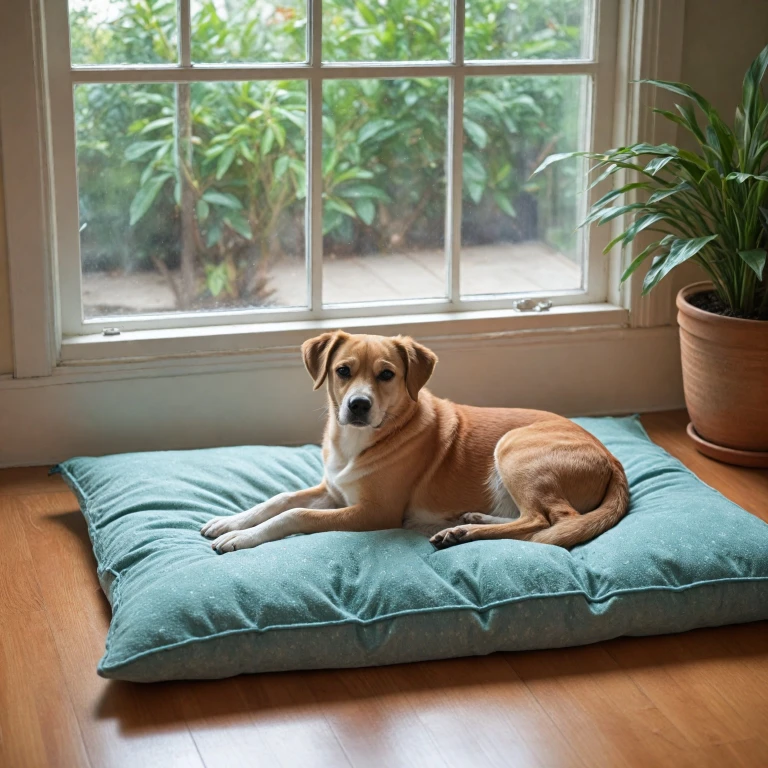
218	525
234	540
450	537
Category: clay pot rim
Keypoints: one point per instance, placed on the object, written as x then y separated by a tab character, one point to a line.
710	317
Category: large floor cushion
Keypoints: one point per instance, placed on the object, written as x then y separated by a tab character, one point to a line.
683	557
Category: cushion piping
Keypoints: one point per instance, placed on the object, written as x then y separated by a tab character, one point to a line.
422	611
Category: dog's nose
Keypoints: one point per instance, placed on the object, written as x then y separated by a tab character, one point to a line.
359	405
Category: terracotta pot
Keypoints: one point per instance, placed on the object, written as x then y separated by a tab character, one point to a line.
725	375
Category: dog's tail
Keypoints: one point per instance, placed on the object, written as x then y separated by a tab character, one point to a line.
576	529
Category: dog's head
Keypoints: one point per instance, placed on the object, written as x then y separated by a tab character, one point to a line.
371	379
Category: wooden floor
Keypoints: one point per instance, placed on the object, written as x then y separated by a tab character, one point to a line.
698	699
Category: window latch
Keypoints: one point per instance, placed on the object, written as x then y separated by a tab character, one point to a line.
532	305
110	332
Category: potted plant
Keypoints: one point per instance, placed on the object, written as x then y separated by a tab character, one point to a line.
711	207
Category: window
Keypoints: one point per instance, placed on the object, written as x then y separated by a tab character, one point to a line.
228	161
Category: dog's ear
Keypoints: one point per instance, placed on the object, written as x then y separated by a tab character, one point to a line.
419	364
318	353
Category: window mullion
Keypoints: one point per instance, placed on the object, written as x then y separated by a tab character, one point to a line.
315	160
454	160
185	33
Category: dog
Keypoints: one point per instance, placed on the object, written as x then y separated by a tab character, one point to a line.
397	456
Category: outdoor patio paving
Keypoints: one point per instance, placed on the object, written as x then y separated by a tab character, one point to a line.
499	268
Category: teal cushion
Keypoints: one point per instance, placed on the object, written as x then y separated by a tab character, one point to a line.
683	557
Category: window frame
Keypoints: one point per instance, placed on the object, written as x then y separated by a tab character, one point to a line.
35	137
598	68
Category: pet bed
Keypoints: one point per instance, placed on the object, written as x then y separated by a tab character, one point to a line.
683	557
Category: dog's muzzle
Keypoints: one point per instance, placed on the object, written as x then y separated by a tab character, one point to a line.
358	411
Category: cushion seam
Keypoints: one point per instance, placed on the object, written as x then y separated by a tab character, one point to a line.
419	611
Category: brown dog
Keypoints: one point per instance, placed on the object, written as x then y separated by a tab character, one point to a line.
397	456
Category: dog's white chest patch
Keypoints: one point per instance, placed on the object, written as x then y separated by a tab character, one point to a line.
342	480
341	474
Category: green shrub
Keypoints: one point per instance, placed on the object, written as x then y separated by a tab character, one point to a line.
384	141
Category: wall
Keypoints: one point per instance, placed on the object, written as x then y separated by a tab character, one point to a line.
6	354
722	37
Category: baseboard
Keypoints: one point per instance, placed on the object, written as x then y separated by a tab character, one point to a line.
88	412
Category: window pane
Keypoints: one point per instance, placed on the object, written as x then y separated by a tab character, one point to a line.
122	31
227	233
397	30
384	144
527	29
237	31
520	234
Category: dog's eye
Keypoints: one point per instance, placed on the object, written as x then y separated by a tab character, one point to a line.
343	371
386	375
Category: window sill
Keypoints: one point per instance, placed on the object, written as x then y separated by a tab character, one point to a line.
272	341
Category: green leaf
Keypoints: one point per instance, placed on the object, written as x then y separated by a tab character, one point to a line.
474	170
216	279
556	159
141	148
755	259
296	118
337	204
222	198
680	251
614	193
267	141
751	92
681	89
369	130
366	210
247	152
662	194
239	224
353	173
364	190
609	214
475	190
644	255
689	115
643	222
425	25
742	177
146	196
476	132
155	124
329	126
643	148
504	205
148	171
368	15
213	235
279	132
225	160
657	164
281	166
202	209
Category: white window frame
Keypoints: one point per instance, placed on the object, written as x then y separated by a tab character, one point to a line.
37	133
